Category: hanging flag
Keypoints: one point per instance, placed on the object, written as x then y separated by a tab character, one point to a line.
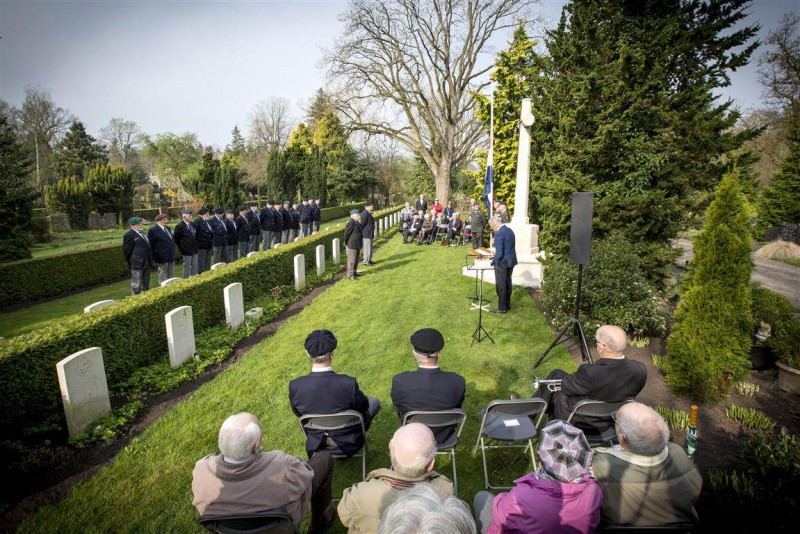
488	184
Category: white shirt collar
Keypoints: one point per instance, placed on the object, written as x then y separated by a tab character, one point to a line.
427	366
231	461
321	369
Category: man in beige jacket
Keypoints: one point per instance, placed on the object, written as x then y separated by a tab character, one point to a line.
413	454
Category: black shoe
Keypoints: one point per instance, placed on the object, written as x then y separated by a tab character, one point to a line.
328	517
498	311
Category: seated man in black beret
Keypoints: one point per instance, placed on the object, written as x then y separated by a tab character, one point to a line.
322	392
428	387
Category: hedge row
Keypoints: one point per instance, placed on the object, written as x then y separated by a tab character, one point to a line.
40	278
132	332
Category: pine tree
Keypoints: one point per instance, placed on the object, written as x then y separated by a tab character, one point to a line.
315	175
111	190
237	145
78	151
224	192
277	180
780	200
16	198
626	107
71	196
707	351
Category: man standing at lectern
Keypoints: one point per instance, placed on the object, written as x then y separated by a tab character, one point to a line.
505	258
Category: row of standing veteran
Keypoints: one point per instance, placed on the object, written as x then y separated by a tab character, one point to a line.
281	223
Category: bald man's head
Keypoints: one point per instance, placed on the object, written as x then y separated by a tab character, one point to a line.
413	450
613	338
644	431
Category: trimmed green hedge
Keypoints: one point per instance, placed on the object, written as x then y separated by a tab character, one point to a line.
132	333
337	212
26	280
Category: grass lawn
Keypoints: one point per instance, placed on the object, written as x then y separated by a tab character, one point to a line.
77	240
44	314
147	488
790	261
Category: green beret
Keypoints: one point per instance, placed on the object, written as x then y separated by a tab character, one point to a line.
134	220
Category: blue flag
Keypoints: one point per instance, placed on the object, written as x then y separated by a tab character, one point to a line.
488	184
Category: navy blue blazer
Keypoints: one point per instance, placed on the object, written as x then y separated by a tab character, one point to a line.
162	243
220	233
367	225
504	247
329	392
428	389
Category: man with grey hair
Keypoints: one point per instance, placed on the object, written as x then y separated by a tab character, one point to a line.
324	392
353	239
413	454
421	510
242	480
611	378
428	387
646	480
504	261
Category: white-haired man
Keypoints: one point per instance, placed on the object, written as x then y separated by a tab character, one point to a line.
241	479
646	480
413	454
611	378
421	509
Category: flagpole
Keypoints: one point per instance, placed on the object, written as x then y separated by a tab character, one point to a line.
491	141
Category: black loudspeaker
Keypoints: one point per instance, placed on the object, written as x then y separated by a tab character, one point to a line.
580	235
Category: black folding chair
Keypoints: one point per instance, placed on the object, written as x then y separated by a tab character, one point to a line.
441	419
337	421
675	528
275	521
509	421
588	415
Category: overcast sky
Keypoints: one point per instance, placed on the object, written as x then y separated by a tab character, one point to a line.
200	66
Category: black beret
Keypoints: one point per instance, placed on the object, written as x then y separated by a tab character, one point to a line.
270	202
427	341
254	204
320	342
202	211
219	211
242	208
369	203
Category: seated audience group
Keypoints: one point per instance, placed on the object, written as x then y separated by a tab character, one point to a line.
642	481
425	227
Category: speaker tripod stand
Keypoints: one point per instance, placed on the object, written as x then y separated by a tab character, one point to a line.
574	322
480	332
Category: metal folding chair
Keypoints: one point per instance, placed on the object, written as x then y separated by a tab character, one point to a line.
675	528
275	521
441	419
509	421
588	413
337	421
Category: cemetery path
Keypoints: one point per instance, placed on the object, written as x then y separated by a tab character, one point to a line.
782	278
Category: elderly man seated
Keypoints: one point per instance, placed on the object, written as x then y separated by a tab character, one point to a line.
413	454
241	479
426	231
646	480
421	510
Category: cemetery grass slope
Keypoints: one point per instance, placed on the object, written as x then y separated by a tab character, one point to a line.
148	487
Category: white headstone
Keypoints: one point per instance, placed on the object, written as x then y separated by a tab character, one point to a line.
320	260
234	305
84	390
97	305
299	272
327	228
254	314
336	252
312	233
338	225
276	245
170	281
180	335
217	266
251	254
296	239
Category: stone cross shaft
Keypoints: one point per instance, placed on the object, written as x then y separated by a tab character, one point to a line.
526	120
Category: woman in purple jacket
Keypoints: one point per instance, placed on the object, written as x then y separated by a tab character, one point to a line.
558	497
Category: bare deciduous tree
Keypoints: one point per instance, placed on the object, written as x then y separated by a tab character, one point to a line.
270	124
122	138
780	65
409	69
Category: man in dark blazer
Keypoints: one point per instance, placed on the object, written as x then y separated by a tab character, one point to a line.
186	241
219	239
504	260
277	223
352	242
323	392
422	204
306	218
254	227
231	237
611	378
138	255
317	215
295	213
267	225
205	241
367	231
286	221
243	231
163	245
428	388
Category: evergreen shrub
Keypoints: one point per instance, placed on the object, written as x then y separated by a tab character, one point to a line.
132	333
708	349
615	290
769	307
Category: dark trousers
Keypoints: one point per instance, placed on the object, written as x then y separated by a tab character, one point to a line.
140	280
546	394
321	486
477	239
502	278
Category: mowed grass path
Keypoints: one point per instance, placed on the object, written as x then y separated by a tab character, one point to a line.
148	487
46	313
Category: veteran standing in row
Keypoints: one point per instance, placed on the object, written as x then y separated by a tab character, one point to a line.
163	245
186	239
138	255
